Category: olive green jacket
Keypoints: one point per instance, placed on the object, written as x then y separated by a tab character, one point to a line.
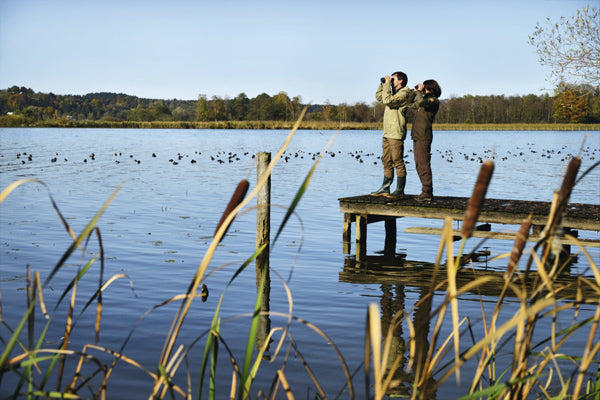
394	116
427	106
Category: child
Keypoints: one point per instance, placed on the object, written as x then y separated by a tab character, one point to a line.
427	105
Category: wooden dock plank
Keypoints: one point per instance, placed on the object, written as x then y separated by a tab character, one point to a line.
502	211
496	235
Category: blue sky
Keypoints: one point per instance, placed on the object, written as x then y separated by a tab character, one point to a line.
319	50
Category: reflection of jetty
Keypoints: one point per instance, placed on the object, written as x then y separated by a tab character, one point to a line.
363	210
419	274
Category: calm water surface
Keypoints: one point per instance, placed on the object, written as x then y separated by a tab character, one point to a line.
176	184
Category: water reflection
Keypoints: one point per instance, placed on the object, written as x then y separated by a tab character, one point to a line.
393	306
407	359
421	274
396	277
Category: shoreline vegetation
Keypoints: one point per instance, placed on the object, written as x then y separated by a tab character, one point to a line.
16	122
570	109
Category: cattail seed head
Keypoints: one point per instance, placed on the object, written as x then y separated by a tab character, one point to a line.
518	247
569	179
236	199
474	207
564	193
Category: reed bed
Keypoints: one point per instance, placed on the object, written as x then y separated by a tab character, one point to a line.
20	121
535	369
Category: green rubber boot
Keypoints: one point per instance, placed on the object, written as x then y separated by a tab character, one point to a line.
400	184
384	190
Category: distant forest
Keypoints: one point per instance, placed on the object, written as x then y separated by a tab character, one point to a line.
21	106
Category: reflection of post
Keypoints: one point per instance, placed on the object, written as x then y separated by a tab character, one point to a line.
263	233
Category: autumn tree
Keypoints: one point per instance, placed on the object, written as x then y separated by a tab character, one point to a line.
571	47
570	105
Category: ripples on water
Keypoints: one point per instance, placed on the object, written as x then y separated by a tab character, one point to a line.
160	224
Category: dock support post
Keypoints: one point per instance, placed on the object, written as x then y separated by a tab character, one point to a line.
572	232
347	233
390	237
361	237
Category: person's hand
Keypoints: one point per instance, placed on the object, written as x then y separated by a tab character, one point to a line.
388	79
419	87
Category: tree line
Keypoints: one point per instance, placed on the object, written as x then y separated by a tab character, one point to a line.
574	104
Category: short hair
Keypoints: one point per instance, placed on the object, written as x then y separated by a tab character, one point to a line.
401	75
433	87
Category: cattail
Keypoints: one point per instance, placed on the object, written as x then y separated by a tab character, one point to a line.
474	207
561	200
569	179
566	188
518	247
236	199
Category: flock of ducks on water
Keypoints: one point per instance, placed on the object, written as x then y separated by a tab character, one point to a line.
222	157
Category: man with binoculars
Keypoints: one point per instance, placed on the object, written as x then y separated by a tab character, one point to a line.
396	96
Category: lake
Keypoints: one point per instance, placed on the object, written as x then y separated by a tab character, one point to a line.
175	185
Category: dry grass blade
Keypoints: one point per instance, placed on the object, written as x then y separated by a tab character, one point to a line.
374	335
515	320
8	190
285	384
83	235
593	265
330	342
307	368
452	294
474	207
38	284
590	352
432	356
19	182
303	187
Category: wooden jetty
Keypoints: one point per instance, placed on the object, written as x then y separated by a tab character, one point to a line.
366	209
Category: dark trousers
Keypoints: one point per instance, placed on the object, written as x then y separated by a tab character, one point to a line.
422	151
393	157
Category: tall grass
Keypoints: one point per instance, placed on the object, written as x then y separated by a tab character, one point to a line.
46	371
534	367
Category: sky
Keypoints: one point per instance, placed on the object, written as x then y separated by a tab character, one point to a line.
321	51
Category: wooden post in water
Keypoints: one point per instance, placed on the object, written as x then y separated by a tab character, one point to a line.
263	211
263	237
